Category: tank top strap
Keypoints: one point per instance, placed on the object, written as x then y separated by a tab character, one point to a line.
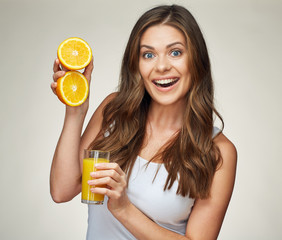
215	131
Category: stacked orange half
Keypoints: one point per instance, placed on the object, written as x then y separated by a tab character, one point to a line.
74	54
72	89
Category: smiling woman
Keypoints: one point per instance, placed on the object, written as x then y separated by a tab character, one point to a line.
163	65
172	172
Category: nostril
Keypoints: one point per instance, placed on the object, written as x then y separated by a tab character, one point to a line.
163	65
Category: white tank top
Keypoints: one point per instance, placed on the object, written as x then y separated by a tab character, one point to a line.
166	208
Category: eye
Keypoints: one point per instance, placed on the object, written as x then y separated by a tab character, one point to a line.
176	53
148	55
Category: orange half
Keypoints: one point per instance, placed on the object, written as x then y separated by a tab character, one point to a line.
74	53
72	89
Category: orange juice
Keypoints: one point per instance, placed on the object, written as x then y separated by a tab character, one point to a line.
86	195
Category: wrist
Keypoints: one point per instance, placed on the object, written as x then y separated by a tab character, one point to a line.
77	112
123	212
74	118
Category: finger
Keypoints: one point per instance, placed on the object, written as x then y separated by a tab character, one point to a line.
53	87
106	173
105	191
105	181
56	66
58	74
88	70
114	166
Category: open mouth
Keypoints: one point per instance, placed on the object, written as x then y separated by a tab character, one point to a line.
164	83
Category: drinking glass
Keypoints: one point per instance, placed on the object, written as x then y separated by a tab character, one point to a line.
91	157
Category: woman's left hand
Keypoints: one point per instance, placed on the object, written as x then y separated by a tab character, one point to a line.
111	175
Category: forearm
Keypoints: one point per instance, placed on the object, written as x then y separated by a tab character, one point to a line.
142	227
65	176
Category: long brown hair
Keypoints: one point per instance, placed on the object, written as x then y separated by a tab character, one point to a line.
191	157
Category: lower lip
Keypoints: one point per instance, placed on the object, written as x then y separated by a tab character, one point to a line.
166	89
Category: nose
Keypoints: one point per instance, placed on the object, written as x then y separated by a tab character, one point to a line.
162	64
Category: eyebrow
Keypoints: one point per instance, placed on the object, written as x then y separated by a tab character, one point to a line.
168	46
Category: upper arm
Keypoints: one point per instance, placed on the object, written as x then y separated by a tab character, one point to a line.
94	126
207	214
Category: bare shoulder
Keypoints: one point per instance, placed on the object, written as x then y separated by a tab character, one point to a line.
98	114
109	98
227	149
95	123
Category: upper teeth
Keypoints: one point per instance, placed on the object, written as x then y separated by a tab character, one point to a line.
165	81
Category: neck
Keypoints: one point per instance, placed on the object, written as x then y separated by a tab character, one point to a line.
166	117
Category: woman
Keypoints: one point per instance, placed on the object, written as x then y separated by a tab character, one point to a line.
172	173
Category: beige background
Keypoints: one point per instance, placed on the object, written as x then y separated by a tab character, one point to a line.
244	39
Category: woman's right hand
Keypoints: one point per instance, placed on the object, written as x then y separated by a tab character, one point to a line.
60	72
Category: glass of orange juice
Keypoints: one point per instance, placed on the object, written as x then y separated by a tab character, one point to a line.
91	157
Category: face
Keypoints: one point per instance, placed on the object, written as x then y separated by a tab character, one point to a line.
163	64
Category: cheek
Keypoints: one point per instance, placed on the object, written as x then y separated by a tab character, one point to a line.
140	65
144	70
182	66
188	85
146	84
